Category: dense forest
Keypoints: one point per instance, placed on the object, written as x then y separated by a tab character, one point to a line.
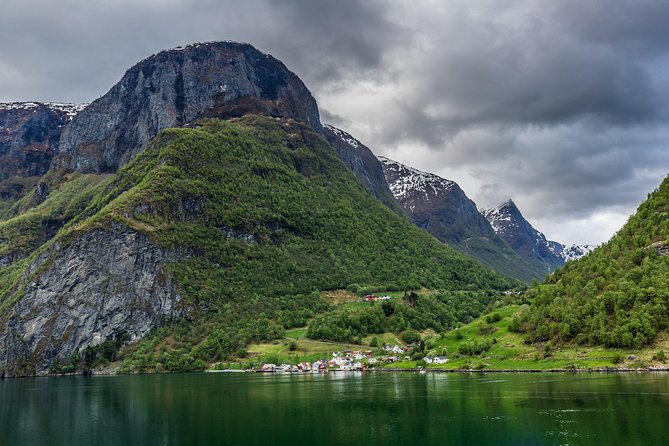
618	295
441	311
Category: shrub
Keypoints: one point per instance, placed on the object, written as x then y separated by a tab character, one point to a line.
411	336
475	347
659	356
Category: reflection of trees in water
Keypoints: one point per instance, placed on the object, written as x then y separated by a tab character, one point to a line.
336	408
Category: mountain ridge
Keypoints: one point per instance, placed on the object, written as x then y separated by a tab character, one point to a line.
442	208
238	79
508	222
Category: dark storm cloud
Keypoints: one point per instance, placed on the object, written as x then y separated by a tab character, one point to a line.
543	67
76	50
331	40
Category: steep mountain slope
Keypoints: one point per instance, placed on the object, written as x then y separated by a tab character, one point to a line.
170	88
212	228
363	163
527	242
176	87
618	295
440	207
530	244
29	135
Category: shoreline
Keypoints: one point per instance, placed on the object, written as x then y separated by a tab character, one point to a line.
599	370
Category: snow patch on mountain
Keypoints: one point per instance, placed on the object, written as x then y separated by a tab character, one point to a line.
499	218
347	138
506	218
70	109
575	252
408	180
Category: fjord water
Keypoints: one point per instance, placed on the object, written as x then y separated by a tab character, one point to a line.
337	408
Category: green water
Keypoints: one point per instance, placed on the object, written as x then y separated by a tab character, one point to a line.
341	409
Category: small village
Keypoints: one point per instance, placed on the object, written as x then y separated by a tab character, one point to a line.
351	361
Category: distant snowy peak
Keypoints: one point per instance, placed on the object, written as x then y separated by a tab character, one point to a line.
69	109
504	217
347	138
507	221
575	252
404	180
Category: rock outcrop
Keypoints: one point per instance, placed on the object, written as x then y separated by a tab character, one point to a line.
29	135
102	284
174	88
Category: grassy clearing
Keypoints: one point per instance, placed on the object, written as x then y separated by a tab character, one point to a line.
303	350
296	333
508	350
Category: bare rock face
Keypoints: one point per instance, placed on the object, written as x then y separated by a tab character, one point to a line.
100	285
29	135
176	87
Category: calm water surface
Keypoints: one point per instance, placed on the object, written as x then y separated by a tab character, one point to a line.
342	409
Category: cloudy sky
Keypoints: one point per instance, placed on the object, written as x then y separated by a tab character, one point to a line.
561	105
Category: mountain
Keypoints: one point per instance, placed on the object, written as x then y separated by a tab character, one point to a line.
176	87
171	251
618	295
441	208
570	252
545	255
29	136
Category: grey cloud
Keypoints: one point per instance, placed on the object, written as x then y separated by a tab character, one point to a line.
570	172
482	72
330	40
74	50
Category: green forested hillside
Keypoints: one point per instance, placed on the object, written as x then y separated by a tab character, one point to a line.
618	295
262	214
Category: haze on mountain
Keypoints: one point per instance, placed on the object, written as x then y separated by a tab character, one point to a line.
557	105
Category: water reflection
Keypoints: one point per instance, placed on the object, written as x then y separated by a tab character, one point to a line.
370	408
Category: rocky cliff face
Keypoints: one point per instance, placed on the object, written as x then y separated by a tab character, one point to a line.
364	164
174	88
29	135
441	207
105	283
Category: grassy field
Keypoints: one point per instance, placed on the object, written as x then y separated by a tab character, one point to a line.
508	350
